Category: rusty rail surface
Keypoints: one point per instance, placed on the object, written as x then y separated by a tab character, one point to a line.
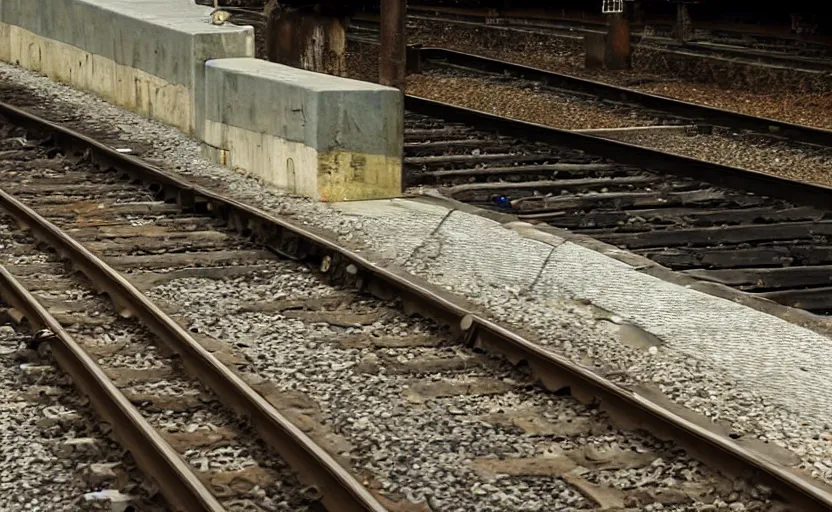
177	482
554	372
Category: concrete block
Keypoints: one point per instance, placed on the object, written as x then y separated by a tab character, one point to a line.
147	56
326	137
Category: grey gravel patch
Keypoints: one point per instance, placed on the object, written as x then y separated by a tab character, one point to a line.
565	327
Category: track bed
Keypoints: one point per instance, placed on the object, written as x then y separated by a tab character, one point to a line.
764	245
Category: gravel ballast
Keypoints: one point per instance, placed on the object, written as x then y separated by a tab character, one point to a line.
569	330
809	164
55	454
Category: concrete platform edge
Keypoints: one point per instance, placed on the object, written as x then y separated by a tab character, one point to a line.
556	236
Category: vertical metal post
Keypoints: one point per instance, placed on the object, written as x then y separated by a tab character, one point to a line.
618	53
393	51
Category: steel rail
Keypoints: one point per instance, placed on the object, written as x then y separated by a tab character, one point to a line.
177	482
710	115
555	372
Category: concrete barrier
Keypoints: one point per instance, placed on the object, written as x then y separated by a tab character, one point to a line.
326	137
144	55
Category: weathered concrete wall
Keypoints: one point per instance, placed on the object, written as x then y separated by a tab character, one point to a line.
326	137
147	56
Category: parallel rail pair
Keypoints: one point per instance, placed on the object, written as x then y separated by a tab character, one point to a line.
340	490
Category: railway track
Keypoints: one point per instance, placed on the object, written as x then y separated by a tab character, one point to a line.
715	42
78	196
760	234
641	104
170	396
199	455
